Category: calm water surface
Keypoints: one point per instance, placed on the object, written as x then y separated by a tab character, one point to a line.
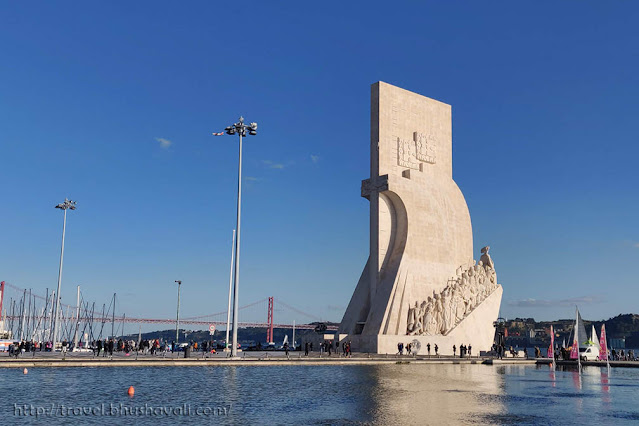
384	394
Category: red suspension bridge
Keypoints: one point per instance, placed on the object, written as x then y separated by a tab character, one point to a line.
28	314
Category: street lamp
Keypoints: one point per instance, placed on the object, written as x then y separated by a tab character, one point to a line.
240	129
177	319
66	205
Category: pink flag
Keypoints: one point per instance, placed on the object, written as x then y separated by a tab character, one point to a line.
574	352
551	349
603	351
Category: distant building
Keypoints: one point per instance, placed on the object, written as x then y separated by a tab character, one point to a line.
632	341
617	343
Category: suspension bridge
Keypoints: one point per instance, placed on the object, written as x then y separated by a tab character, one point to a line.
28	315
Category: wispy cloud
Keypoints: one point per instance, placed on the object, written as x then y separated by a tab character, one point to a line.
636	245
272	165
251	179
338	308
315	158
541	303
164	143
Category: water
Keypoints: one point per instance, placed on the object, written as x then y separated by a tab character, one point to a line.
381	394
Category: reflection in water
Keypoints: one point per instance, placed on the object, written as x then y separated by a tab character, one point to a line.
605	388
397	394
434	394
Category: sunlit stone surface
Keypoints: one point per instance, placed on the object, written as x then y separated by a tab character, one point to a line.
420	283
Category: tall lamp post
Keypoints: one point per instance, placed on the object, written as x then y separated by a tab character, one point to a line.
66	205
240	129
177	319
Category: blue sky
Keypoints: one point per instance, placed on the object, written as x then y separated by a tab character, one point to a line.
113	105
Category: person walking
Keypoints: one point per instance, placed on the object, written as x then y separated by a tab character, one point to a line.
454	350
306	349
436	350
428	348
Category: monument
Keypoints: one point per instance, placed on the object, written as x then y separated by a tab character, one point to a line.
420	284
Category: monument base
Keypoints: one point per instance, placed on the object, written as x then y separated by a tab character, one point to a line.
476	330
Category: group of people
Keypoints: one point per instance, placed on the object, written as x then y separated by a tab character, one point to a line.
25	346
329	347
463	350
400	348
33	346
500	350
440	313
623	355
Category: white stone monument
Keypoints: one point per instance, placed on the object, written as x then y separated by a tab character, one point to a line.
420	283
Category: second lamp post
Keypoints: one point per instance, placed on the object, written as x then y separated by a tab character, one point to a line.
241	130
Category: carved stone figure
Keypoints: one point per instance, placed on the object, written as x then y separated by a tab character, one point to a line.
485	258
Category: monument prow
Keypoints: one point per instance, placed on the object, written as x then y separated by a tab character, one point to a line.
420	281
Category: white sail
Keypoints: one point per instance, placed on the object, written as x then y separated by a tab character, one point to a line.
593	337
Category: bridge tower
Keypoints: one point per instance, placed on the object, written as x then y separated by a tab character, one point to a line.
269	320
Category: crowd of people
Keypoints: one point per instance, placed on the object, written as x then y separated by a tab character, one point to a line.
32	346
329	348
464	350
106	347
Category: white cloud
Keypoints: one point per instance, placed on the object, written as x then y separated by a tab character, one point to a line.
251	179
271	165
583	300
315	158
164	143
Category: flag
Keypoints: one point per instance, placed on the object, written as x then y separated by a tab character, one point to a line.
603	352
218	134
574	351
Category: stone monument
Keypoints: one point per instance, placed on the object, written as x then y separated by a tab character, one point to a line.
420	283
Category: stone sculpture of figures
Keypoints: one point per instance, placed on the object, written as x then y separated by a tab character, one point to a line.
440	313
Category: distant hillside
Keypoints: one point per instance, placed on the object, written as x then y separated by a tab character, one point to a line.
623	325
528	332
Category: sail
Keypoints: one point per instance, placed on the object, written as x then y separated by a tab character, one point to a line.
577	336
603	344
583	337
593	337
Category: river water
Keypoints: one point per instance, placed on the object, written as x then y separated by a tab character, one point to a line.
396	394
